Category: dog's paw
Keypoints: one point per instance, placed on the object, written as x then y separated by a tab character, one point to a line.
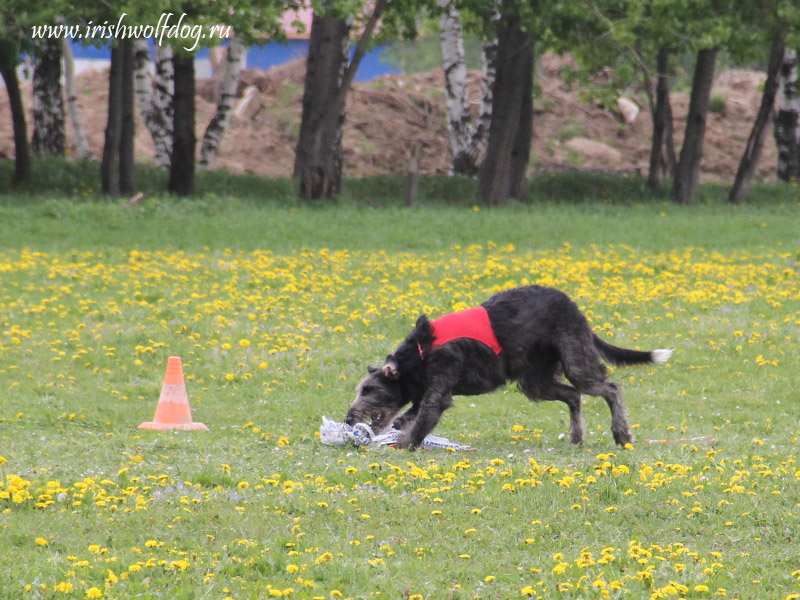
405	442
623	437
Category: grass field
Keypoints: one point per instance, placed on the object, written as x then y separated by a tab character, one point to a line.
277	308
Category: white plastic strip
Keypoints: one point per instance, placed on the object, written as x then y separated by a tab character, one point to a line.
361	435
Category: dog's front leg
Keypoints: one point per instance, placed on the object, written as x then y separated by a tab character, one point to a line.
407	417
433	404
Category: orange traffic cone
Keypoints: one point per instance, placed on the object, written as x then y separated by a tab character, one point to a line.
173	410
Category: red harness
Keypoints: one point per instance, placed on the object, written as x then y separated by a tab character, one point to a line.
472	324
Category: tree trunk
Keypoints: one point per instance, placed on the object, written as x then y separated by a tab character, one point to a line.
184	141
521	150
151	110
412	178
225	101
8	69
48	102
468	138
318	158
661	113
787	122
164	98
684	184
117	172
755	141
127	179
480	133
501	167
459	121
109	166
669	141
73	107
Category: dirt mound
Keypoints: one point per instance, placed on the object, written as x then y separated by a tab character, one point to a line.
390	114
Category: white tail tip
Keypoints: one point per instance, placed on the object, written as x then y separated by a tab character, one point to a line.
661	356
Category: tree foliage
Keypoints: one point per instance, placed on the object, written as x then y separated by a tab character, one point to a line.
623	38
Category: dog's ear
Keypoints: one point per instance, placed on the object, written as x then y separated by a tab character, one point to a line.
389	369
423	332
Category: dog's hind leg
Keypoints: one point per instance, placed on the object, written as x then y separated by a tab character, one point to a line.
584	369
537	389
539	382
611	393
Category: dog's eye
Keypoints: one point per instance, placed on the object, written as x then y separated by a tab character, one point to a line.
367	389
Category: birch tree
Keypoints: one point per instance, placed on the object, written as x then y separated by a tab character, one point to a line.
755	140
164	93
247	31
73	107
153	85
455	80
787	121
468	137
48	101
254	22
226	98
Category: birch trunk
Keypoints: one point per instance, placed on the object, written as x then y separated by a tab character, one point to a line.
73	107
468	137
755	141
226	99
459	122
163	98
48	102
684	183
152	112
480	135
787	121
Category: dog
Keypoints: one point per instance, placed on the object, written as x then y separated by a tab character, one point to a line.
532	335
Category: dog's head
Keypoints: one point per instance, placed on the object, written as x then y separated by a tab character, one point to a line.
379	397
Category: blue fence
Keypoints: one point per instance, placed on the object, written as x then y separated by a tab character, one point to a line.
267	56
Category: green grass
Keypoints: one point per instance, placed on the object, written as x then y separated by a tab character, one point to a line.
277	307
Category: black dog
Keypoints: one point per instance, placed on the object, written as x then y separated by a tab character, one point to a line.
530	335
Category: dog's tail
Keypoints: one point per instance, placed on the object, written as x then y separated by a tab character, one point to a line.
622	356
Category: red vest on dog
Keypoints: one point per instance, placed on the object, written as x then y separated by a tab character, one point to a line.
472	323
